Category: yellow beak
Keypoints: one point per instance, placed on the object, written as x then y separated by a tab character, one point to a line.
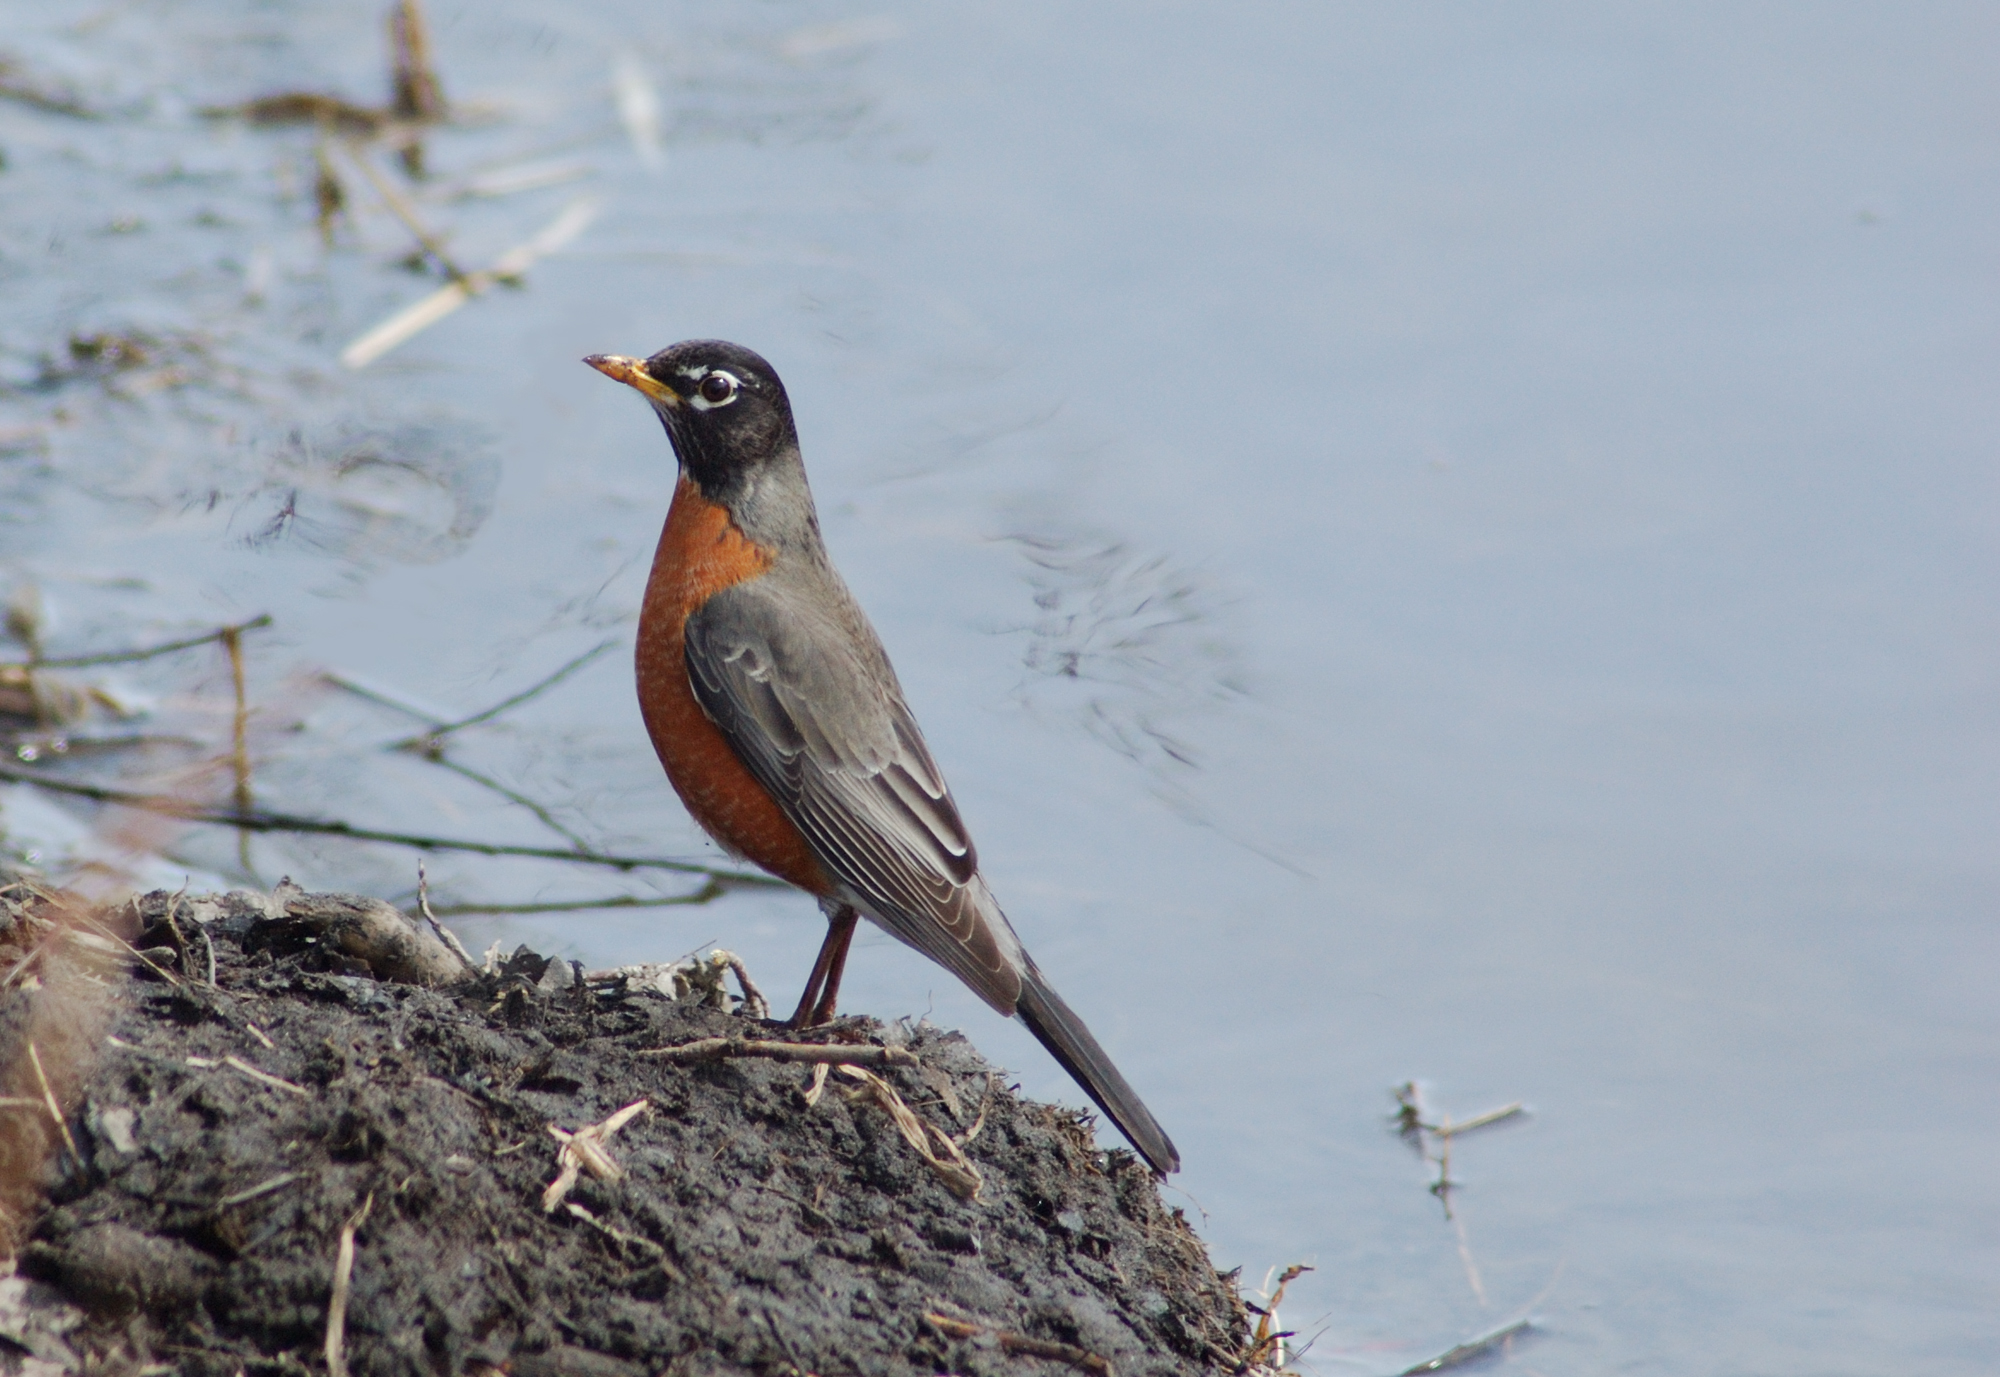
632	372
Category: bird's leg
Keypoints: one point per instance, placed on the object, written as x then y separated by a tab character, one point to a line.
815	1006
844	923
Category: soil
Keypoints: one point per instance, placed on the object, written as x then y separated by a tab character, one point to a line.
193	1221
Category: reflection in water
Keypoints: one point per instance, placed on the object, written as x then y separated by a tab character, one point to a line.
1129	646
411	495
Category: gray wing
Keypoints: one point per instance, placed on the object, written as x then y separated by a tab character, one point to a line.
804	693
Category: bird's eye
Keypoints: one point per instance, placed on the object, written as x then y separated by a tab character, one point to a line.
718	388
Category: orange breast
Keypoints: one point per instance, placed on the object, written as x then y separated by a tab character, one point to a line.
701	553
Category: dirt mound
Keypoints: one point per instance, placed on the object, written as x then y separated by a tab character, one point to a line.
240	1133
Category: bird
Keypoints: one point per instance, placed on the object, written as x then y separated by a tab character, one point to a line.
774	708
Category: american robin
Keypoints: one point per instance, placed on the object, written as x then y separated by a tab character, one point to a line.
780	722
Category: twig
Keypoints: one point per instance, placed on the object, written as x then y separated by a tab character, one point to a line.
278	1182
106	934
754	1004
404	212
275	1082
947	1160
445	934
286	822
1470	1349
431	743
343	1275
49	1099
423	314
1449	1129
644	1245
120	657
1010	1342
584	1150
823	1053
708	893
1414	1121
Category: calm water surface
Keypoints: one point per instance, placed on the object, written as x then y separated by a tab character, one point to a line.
1431	544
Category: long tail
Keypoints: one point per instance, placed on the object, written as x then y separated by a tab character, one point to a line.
1058	1028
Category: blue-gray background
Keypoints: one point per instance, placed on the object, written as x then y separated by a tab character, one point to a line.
1431	541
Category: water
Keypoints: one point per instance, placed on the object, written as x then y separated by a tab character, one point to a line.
1429	544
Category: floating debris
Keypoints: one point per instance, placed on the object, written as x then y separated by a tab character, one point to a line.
304	107
414	319
638	109
21	87
418	97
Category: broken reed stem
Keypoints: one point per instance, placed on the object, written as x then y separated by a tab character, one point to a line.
418	94
1463	1353
585	1150
329	196
239	760
1080	1358
1449	1129
405	212
1267	1344
825	1054
343	1275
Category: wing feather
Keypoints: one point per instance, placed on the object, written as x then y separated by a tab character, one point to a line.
806	698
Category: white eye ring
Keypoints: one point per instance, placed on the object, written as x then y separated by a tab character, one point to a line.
716	389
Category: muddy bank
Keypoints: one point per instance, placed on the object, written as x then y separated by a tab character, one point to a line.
233	1130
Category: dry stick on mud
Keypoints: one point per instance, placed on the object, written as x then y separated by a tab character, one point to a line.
343	1275
948	1159
585	1150
825	1054
444	934
1010	1342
